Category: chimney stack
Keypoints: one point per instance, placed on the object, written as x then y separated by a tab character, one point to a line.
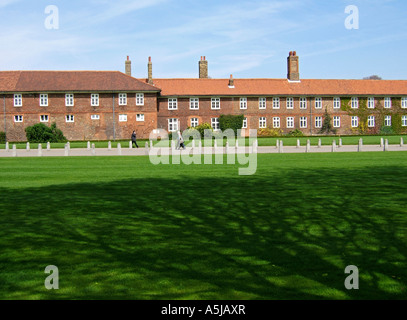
293	73
150	71
203	68
231	82
127	65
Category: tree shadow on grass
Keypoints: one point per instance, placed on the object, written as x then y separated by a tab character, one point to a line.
286	236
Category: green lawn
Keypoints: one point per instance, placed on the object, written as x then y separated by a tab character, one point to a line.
122	228
263	141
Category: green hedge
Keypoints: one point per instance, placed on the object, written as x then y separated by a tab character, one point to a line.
231	122
2	137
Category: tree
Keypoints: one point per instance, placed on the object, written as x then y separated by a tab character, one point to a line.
327	125
373	77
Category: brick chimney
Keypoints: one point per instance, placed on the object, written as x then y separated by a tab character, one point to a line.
231	82
203	68
150	71
293	67
127	65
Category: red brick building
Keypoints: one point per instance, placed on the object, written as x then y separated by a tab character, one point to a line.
85	105
355	106
105	105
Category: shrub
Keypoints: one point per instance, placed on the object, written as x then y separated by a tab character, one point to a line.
192	132
386	130
269	132
2	137
202	127
295	133
40	133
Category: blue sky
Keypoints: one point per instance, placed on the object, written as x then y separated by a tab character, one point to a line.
249	39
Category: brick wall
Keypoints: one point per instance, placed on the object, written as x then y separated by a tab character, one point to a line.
83	127
231	105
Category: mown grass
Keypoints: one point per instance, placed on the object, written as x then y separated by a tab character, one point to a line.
122	228
263	141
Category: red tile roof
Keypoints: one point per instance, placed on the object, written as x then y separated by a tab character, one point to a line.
8	80
115	81
267	87
53	81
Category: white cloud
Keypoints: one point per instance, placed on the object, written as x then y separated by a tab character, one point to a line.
238	63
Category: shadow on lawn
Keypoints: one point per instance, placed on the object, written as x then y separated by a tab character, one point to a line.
288	236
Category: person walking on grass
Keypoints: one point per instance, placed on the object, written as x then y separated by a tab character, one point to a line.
134	139
180	141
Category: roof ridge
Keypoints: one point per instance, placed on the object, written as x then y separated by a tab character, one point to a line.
142	81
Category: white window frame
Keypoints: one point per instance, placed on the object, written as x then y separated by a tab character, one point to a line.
215	103
276	122
262	122
172	103
244	125
139	99
194	122
94	99
371	121
243	103
289	122
387	102
387	121
172	124
69	100
43	99
337	103
122	99
303	103
354	121
69	118
122	117
18	100
44	118
404	102
303	122
140	117
336	122
262	103
215	124
404	121
318	102
18	118
370	102
354	103
193	103
318	122
95	117
276	102
290	103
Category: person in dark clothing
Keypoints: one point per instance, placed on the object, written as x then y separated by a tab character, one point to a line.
180	141
134	139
